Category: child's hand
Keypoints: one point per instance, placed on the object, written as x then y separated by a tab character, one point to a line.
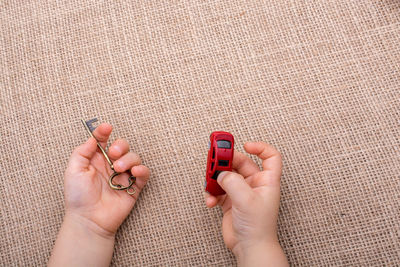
87	193
94	211
251	206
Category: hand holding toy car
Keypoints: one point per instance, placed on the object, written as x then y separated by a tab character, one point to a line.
251	203
220	156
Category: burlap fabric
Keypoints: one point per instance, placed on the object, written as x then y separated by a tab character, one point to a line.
317	79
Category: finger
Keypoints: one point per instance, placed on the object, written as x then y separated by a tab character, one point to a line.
236	188
265	178
117	149
81	156
102	133
211	201
134	193
126	162
244	165
272	159
142	174
226	204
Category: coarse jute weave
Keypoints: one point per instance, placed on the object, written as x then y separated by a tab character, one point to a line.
320	80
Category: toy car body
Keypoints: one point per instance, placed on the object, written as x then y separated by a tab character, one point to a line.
220	156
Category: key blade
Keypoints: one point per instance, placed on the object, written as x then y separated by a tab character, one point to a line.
90	128
87	127
90	125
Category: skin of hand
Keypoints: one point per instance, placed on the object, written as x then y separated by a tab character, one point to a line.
251	205
94	211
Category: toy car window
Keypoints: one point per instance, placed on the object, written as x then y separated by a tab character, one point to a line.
223	144
223	163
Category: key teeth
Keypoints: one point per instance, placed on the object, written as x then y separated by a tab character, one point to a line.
89	124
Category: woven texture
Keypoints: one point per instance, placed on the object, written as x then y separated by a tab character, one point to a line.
320	80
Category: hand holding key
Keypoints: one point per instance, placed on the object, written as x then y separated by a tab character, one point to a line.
87	190
131	179
94	211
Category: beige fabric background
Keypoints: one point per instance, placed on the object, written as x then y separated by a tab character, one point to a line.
318	79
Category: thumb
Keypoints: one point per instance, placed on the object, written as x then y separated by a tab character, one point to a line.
81	156
236	188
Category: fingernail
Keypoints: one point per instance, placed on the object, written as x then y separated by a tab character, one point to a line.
221	176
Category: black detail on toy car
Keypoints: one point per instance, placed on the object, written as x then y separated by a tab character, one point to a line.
223	163
223	144
215	175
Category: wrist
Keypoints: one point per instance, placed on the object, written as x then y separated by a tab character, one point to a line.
81	242
85	226
260	253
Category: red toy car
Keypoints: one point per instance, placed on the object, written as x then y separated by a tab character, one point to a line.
220	156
